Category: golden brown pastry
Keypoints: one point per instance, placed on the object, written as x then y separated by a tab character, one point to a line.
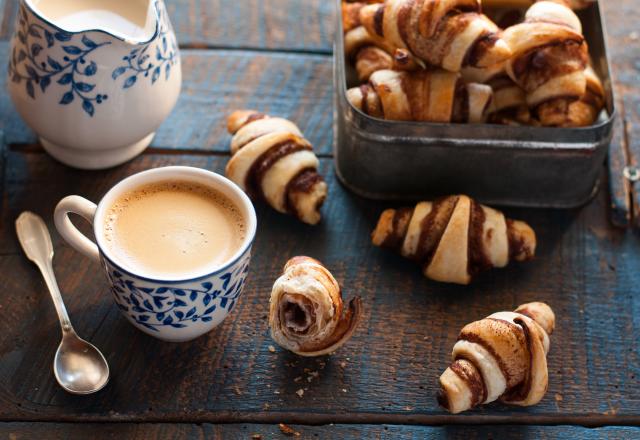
451	34
503	356
549	59
579	113
454	238
272	161
508	104
306	312
424	95
367	53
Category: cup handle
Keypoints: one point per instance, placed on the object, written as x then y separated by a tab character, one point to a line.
84	208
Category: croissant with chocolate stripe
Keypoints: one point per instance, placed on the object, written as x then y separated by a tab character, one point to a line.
579	113
271	160
451	34
549	59
454	238
423	95
503	356
369	53
306	312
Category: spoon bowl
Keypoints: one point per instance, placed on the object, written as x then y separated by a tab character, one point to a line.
79	366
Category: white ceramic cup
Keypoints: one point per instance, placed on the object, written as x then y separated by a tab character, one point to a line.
171	309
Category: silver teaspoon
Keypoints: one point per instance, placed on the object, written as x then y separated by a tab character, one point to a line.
79	367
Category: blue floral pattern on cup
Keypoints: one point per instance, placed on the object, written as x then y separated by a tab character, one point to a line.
139	60
73	71
174	308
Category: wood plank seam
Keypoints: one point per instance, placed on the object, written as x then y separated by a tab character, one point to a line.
619	187
229	417
37	149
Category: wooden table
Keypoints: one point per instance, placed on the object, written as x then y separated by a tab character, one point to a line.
274	55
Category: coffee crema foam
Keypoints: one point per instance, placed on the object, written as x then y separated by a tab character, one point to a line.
173	229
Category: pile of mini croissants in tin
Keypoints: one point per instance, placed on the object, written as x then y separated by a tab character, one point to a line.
446	61
452	238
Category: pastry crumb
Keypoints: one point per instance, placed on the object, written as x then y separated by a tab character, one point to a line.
256	437
300	392
288	430
343	364
272	349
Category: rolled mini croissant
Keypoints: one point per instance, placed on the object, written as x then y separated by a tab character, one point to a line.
579	113
454	237
503	356
271	160
367	53
423	95
549	58
306	312
451	34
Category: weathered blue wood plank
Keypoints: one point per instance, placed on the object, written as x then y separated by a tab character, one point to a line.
387	373
147	431
217	82
624	45
286	25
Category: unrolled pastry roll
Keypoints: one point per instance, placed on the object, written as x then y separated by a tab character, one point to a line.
549	59
422	95
454	237
271	160
306	312
451	34
503	356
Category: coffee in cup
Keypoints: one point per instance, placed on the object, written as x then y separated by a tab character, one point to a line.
171	228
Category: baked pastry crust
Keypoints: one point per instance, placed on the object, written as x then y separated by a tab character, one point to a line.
306	313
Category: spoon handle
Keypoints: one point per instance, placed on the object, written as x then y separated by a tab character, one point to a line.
36	243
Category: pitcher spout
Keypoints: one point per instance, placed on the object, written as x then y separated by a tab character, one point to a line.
131	21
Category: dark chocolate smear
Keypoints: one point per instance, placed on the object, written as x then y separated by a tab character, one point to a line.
400	224
466	371
266	160
432	228
378	20
478	259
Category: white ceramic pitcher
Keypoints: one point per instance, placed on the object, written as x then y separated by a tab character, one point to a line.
94	78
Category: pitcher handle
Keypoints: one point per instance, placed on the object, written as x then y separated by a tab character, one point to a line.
87	210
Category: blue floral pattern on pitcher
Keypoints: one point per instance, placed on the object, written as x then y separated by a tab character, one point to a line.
73	71
139	60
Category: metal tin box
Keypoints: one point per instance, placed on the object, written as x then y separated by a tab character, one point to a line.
497	164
